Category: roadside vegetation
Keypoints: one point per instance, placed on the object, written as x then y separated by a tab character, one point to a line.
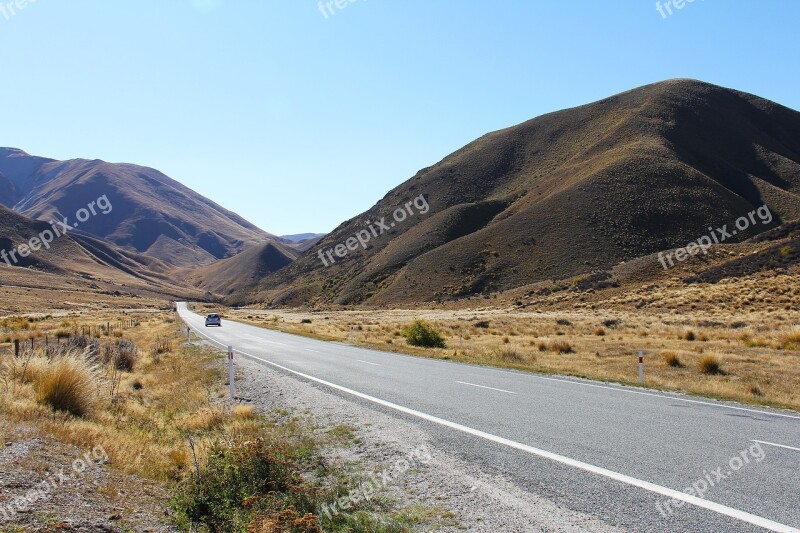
157	407
421	334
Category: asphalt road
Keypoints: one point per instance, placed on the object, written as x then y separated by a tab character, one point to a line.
623	454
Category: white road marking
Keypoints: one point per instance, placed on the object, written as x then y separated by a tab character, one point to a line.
610	474
485	387
367	362
640	392
310	350
617	389
778	445
273	342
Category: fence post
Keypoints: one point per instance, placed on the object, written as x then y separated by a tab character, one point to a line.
232	387
16	347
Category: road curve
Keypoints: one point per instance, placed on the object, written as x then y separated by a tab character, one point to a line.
623	454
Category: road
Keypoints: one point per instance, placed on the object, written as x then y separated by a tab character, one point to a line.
623	454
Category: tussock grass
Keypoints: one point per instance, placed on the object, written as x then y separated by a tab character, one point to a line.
560	346
791	339
68	383
711	365
508	354
672	359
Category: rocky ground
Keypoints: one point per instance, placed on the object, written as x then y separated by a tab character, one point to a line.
84	495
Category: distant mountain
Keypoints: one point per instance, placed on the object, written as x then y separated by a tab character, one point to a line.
562	195
78	260
300	237
226	276
152	214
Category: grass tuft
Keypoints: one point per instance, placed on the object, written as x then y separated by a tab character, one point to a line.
711	365
68	384
672	359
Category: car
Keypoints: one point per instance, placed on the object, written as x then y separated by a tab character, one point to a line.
214	320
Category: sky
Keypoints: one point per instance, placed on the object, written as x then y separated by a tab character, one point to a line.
299	115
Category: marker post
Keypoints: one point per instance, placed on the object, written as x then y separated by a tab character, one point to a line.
641	367
230	373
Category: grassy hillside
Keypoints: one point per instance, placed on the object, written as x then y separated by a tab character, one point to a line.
565	194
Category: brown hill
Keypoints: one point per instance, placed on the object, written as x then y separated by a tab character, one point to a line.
226	276
79	261
565	194
151	213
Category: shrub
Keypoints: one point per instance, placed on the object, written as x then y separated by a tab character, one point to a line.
306	321
420	333
689	336
600	332
672	360
483	324
710	365
563	322
68	384
611	323
243	484
126	355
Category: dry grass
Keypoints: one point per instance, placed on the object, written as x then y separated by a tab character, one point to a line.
710	365
146	396
791	339
672	359
67	383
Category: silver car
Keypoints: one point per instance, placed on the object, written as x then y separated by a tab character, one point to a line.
214	320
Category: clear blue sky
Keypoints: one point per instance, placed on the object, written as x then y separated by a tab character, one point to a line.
299	122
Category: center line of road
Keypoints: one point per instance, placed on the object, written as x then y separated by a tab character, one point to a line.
597	470
485	387
367	362
777	445
310	350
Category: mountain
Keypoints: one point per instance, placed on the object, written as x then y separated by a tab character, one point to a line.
151	214
562	195
302	237
226	276
77	261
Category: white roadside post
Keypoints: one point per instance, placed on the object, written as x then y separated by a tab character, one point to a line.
230	373
641	367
